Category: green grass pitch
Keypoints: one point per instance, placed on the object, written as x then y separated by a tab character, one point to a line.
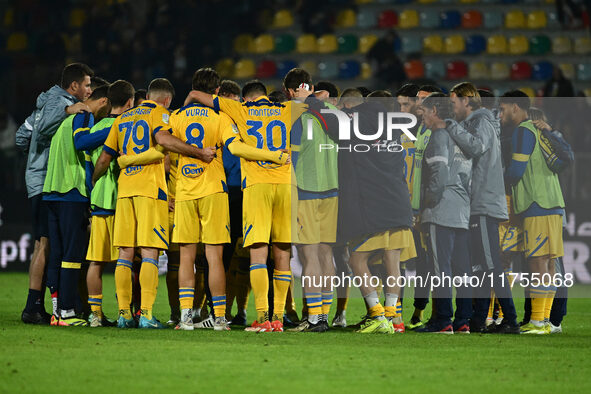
61	359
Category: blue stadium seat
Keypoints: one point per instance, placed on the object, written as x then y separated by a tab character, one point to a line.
435	69
475	44
411	44
451	19
328	70
430	19
284	66
542	71
349	69
584	72
493	19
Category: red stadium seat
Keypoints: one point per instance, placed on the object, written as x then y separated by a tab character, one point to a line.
471	20
266	69
456	70
521	70
414	69
387	19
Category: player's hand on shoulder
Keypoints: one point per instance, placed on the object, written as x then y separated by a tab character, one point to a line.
190	98
77	108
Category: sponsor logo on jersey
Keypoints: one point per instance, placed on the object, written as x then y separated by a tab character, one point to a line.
192	170
132	170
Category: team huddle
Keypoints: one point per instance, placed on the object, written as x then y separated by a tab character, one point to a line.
236	181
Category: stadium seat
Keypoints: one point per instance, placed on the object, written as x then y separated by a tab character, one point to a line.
478	70
306	43
568	70
427	1
244	69
435	69
414	69
77	18
366	42
584	72
475	44
456	69
366	19
520	71
346	18
561	45
552	20
585	18
225	67
583	45
499	71
515	20
430	19
284	66
266	69
408	19
539	45
455	44
471	19
433	44
451	19
493	19
536	20
349	69
363	1
386	20
587	93
496	45
469	1
310	66
411	44
542	71
263	44
284	43
518	45
327	70
327	44
529	91
347	43
366	72
282	19
243	43
16	42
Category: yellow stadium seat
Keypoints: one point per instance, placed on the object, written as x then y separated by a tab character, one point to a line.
427	1
529	91
282	19
244	69
346	18
568	70
478	70
469	1
16	42
561	45
433	44
499	71
243	43
536	20
363	1
455	44
366	72
514	20
496	45
225	67
77	17
270	88
587	94
518	45
327	44
583	46
306	43
264	44
310	66
8	17
408	19
366	42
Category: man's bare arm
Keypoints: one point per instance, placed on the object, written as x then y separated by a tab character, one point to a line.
201	97
173	144
101	166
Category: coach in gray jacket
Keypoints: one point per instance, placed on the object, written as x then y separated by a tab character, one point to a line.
445	214
34	138
479	138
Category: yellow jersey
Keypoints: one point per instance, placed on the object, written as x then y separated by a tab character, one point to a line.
133	133
172	174
264	125
408	151
201	126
